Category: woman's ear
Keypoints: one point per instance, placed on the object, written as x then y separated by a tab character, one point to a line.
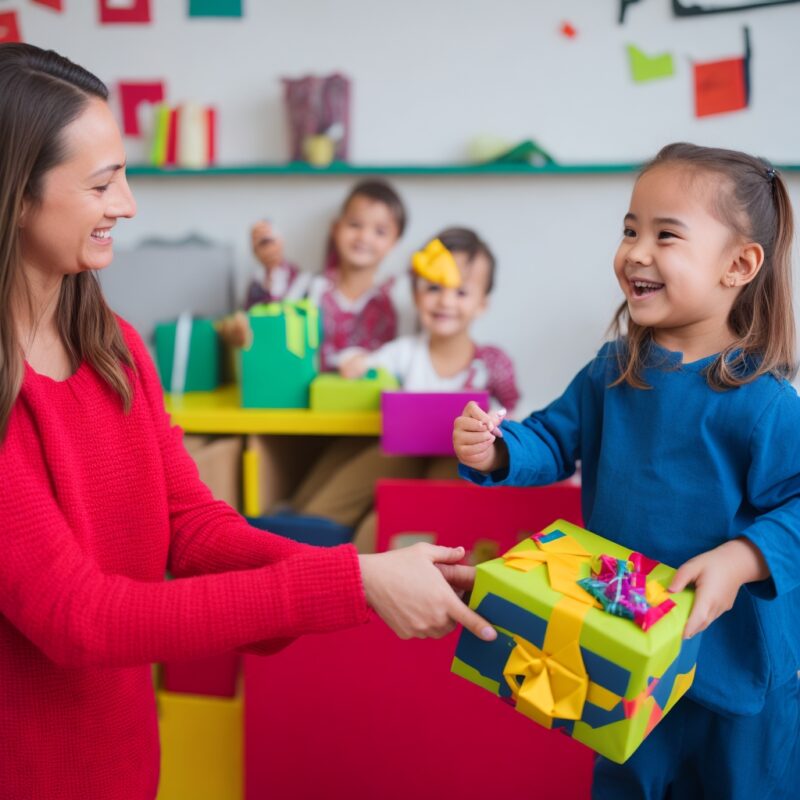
746	264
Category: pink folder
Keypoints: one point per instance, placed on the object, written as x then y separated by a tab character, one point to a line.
421	423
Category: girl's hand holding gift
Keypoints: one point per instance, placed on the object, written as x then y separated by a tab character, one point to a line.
717	576
475	435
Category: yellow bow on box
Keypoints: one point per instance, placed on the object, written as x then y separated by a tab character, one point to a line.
553	684
436	264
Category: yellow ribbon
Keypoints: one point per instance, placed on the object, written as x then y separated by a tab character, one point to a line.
554	679
564	558
436	264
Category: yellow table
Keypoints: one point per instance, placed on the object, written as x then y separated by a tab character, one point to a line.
220	412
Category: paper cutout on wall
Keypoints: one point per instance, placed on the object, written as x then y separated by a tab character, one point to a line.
215	8
649	68
56	5
131	96
122	11
623	7
9	27
568	30
691	8
722	86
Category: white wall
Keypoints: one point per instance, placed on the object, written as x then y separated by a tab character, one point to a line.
428	76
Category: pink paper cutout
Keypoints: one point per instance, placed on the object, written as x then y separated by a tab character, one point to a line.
9	27
117	11
131	96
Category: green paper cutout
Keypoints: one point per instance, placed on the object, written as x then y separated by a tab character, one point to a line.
649	68
215	8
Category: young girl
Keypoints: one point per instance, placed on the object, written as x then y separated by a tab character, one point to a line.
451	281
452	278
689	436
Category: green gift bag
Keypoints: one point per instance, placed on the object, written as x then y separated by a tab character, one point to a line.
192	369
332	392
283	357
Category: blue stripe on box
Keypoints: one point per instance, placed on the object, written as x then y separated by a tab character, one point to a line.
680	666
513	618
488	658
609	675
552	536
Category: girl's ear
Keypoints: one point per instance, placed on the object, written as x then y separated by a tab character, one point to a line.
745	266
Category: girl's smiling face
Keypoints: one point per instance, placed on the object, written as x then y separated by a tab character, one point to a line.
68	228
364	234
676	258
446	312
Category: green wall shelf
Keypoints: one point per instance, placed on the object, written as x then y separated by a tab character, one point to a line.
341	168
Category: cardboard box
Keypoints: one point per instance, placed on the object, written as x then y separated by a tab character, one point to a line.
561	659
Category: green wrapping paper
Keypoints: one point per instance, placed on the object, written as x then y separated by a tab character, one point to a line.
331	392
562	660
277	368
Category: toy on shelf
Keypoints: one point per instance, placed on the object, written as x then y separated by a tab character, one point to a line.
318	109
421	423
496	150
282	358
188	354
560	658
332	392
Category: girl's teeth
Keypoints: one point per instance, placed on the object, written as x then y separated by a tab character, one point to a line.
101	234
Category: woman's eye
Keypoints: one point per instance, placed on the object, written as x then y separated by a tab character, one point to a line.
101	189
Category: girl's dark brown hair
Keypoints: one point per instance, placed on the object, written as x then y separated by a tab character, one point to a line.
41	93
751	199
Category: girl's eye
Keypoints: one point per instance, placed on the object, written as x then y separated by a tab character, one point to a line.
628	233
463	293
433	288
666	235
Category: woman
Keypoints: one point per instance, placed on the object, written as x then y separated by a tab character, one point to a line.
98	496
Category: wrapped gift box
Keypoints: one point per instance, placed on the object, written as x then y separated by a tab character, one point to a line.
564	661
332	392
421	423
202	362
283	358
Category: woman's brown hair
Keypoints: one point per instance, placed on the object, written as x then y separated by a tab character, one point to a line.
752	201
41	93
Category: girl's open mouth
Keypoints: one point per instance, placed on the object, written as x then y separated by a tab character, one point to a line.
645	288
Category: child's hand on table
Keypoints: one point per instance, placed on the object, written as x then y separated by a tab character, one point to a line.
414	591
717	576
235	329
354	367
267	244
475	433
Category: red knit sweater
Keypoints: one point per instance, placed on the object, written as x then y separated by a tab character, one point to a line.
95	505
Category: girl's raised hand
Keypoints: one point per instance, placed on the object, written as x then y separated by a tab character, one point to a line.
411	591
475	434
717	576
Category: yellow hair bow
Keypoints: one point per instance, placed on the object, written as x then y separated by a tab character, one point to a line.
436	264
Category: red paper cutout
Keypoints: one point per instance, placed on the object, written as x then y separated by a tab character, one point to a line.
131	96
568	30
114	11
172	138
9	29
212	134
721	86
56	5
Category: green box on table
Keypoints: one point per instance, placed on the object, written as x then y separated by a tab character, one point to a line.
203	362
564	661
277	368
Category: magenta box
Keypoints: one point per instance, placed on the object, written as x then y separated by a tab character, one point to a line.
421	423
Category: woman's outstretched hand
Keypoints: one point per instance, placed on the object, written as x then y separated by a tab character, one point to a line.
475	434
414	591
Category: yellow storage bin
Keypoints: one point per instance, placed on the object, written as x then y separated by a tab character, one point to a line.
201	747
